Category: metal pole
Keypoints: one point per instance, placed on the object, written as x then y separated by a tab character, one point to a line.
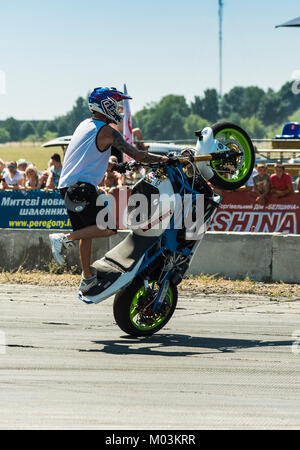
221	5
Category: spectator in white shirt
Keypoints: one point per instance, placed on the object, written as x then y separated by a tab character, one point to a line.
12	178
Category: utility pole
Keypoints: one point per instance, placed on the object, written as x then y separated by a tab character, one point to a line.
221	5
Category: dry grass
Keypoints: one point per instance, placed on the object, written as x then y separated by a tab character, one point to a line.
40	278
34	153
209	284
204	284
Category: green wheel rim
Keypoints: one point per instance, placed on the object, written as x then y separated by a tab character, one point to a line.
135	315
231	133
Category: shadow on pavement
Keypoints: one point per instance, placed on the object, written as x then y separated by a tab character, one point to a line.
178	345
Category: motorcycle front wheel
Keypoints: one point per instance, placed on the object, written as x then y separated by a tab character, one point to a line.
133	308
232	175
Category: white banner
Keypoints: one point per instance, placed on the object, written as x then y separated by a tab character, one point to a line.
127	121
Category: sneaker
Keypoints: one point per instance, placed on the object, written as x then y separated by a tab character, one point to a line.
86	285
58	243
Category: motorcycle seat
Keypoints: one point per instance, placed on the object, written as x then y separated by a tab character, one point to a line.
129	251
119	266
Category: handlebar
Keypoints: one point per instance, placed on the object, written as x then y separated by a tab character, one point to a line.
173	161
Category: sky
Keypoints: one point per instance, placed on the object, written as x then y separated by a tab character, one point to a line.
53	51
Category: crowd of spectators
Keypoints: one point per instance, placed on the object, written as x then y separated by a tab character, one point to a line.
279	184
22	175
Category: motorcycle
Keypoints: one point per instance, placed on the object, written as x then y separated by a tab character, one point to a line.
145	269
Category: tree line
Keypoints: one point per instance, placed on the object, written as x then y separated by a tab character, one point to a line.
261	113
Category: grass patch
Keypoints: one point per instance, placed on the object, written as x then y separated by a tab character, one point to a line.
201	285
33	153
213	284
41	278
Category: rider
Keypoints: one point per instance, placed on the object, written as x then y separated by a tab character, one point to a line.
84	166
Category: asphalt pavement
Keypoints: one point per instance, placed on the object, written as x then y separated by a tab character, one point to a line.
222	362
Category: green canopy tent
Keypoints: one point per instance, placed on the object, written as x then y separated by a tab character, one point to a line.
291	23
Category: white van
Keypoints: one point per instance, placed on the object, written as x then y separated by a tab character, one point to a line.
154	147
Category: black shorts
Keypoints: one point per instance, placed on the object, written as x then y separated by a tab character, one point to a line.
88	216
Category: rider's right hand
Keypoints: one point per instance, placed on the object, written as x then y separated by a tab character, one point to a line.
121	168
172	160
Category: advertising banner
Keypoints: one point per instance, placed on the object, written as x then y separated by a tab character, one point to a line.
239	211
33	210
38	210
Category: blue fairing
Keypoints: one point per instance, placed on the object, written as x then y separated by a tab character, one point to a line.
169	238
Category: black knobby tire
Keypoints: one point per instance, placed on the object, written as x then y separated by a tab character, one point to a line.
234	132
123	308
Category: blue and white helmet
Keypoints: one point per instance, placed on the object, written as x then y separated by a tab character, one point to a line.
105	101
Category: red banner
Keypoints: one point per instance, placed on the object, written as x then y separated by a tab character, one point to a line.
239	211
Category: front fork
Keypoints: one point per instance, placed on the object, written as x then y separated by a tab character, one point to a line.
176	275
170	273
161	293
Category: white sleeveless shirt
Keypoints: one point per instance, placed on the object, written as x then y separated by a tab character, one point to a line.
83	160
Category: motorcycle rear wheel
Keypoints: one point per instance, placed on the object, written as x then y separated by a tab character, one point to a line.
234	137
132	309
